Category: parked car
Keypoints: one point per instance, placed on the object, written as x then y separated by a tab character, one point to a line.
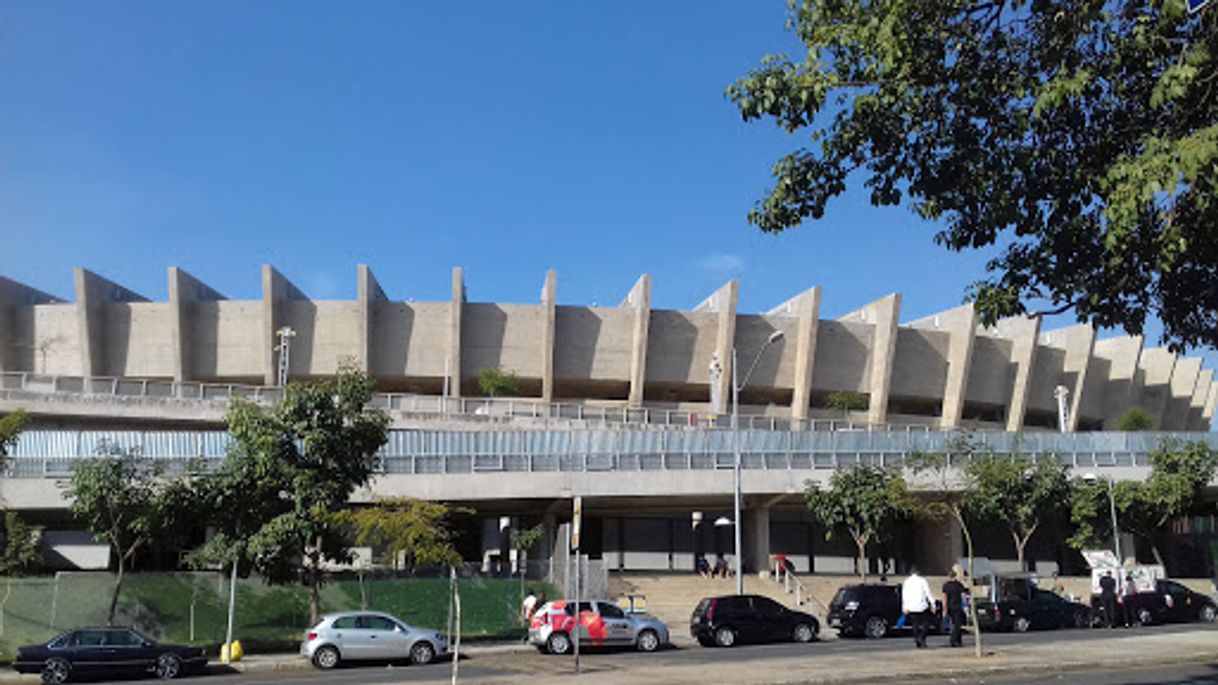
871	610
369	636
724	621
1170	602
601	624
1017	604
93	652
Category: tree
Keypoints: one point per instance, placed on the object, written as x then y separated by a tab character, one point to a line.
1018	492
1135	419
123	499
865	500
413	531
1078	138
522	540
289	470
943	493
20	554
495	382
11	426
846	401
1179	472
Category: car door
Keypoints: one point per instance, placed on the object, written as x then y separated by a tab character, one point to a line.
1046	610
351	636
737	613
383	639
589	624
773	619
1177	600
86	651
125	651
618	628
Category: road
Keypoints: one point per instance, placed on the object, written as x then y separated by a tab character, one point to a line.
520	664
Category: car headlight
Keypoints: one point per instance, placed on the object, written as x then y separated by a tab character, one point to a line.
852	606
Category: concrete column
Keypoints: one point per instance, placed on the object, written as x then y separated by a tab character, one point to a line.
1156	366
1201	395
1183	383
547	336
884	315
1207	414
723	301
806	306
14	295
454	333
185	290
961	326
640	299
93	294
1022	332
276	288
1112	393
369	293
942	545
756	539
1078	343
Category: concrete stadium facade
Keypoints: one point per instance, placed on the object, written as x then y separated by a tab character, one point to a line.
943	370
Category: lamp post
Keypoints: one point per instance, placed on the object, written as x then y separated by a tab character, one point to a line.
1090	479
736	388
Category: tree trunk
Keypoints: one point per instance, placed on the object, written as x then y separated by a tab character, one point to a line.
118	585
315	584
861	541
1019	545
1154	548
978	651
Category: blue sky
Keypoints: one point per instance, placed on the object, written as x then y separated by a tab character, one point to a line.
505	138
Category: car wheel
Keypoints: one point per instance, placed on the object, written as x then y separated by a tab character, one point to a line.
1145	617
875	628
56	671
1082	619
558	643
325	658
1208	613
168	666
725	637
648	641
422	653
803	633
1021	625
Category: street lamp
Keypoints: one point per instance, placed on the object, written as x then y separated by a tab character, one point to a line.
736	388
1090	479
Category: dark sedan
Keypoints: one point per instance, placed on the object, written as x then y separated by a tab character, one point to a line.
106	651
724	621
1033	608
1171	602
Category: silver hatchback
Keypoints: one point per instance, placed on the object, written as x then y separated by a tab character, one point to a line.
368	635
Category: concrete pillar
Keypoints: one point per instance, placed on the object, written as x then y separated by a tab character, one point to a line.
454	333
639	299
1183	383
1207	414
13	349
942	545
1201	395
1156	365
723	301
547	336
93	295
756	539
369	293
805	306
1022	332
185	290
276	288
961	326
1076	344
1112	392
884	314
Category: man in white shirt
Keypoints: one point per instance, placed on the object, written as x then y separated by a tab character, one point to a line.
917	603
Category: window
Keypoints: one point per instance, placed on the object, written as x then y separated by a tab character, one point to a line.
767	607
345	623
122	638
88	638
380	623
609	611
583	606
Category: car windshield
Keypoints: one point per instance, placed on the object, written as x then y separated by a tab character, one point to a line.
846	594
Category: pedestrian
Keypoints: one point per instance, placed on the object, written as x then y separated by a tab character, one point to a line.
916	604
953	603
1059	588
721	569
528	606
1108	599
702	566
1129	601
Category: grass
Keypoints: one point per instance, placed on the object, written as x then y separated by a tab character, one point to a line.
268	618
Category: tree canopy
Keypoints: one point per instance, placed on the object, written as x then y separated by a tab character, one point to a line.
11	426
410	531
1076	138
1017	491
865	500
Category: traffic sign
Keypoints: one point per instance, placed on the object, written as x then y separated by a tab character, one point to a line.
1194	5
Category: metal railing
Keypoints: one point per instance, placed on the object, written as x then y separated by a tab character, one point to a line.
480	408
52	453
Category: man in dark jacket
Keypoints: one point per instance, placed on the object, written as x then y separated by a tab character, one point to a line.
1108	598
953	602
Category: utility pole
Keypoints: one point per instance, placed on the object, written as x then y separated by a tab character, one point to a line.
284	348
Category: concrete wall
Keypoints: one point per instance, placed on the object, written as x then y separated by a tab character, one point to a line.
326	333
139	340
501	336
843	356
992	374
920	368
409	339
52	335
680	345
592	343
227	340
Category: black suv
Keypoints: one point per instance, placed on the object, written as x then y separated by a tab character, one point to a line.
872	610
724	621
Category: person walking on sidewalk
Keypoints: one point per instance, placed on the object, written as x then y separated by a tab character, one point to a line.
916	604
953	603
1108	599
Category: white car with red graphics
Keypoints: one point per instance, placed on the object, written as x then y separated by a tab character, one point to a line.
601	624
